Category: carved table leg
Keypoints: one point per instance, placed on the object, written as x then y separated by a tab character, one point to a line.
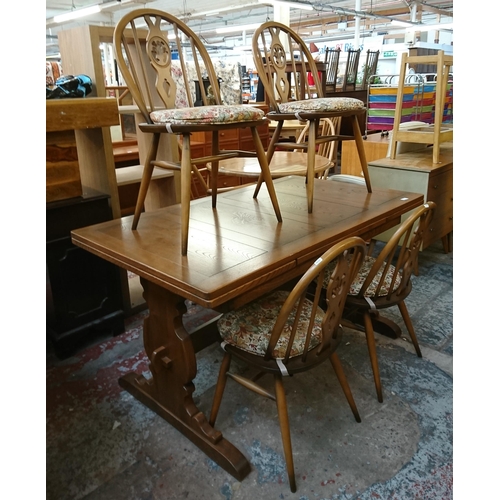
173	367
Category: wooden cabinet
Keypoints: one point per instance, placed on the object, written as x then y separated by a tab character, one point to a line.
375	146
84	296
416	172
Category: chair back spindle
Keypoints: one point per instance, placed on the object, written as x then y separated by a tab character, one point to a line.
332	57
304	303
351	70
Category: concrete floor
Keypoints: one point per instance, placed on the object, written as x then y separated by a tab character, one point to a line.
103	444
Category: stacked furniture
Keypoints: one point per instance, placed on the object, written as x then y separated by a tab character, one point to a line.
84	293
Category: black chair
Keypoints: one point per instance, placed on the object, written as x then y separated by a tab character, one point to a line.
351	70
332	57
370	68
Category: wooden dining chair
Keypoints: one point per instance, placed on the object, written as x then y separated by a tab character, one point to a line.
351	70
332	57
370	68
282	60
285	333
384	281
160	58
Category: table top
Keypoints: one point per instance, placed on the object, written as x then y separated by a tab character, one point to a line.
239	251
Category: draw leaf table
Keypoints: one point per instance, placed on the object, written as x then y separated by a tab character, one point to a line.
236	253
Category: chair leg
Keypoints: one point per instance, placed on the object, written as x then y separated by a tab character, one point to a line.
361	151
269	155
266	172
311	158
219	389
146	179
185	191
215	168
339	371
285	429
370	340
409	326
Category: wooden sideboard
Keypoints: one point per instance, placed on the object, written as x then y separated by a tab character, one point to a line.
416	172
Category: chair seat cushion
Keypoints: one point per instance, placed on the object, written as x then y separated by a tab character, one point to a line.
249	328
322	104
361	277
207	115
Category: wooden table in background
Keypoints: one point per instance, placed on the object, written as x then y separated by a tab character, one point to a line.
283	163
237	253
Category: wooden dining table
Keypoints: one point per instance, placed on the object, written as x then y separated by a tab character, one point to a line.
237	252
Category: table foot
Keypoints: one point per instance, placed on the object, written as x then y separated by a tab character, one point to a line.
169	390
208	439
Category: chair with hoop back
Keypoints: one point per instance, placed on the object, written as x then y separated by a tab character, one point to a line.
146	43
327	126
332	57
351	70
384	281
282	61
370	69
285	333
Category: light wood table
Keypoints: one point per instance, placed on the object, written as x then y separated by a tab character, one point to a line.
283	163
236	253
291	128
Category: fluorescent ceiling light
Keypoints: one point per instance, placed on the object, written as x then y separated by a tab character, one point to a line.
429	27
75	14
397	22
233	29
294	5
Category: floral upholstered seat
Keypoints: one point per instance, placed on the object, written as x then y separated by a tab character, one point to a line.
249	328
207	114
335	104
359	280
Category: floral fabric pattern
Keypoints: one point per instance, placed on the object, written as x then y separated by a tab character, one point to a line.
207	114
322	104
230	81
361	277
249	328
53	71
